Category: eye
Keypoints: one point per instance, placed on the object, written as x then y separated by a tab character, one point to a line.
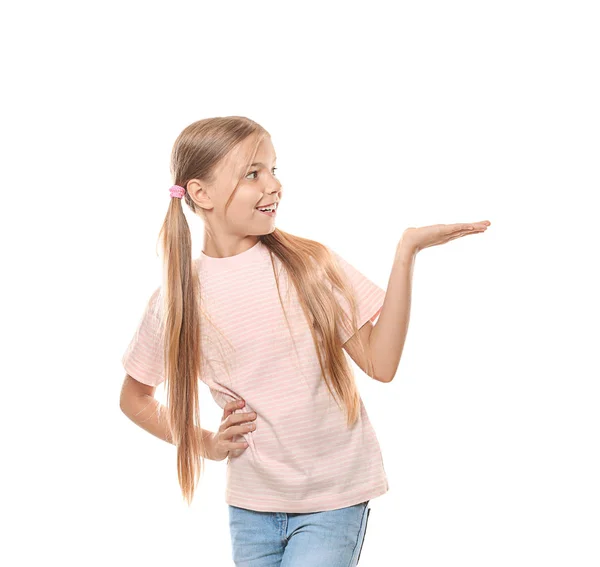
256	171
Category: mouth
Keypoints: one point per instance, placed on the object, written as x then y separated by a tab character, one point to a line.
269	210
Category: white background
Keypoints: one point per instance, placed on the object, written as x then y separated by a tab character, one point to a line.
383	116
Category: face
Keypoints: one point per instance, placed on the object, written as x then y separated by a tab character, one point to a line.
258	187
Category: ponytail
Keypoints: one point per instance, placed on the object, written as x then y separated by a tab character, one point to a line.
181	315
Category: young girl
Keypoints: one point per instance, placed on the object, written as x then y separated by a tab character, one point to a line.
263	317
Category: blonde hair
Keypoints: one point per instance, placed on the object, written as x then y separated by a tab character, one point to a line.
310	266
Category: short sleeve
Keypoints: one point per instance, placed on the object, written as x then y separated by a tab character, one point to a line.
369	296
144	357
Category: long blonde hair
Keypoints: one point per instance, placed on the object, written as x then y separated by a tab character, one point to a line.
310	266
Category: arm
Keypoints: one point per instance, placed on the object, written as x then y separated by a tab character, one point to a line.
351	346
389	333
138	404
386	340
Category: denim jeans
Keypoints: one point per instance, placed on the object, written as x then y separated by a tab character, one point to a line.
332	538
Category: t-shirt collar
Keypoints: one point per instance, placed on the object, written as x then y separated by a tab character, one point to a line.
237	260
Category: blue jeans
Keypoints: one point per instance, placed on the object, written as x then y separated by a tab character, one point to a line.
333	538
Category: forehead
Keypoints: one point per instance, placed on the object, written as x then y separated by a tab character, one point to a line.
264	152
265	148
239	157
242	156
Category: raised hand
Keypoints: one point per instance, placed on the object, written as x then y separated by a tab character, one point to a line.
426	236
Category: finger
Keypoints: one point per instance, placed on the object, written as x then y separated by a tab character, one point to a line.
470	226
235	431
231	432
239	418
237	451
456	228
227	438
464	233
230	407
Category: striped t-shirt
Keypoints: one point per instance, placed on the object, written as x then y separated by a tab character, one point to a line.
302	457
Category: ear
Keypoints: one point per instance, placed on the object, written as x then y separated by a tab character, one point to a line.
200	193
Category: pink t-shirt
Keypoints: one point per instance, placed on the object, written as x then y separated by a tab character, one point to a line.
301	457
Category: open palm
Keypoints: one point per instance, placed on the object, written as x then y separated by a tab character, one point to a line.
426	236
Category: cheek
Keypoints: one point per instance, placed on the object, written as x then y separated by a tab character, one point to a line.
246	201
242	209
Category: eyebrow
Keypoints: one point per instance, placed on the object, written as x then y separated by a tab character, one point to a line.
260	163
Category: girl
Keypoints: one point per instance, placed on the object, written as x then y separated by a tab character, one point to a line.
263	317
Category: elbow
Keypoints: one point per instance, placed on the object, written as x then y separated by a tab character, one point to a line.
131	391
123	405
383	379
124	400
387	378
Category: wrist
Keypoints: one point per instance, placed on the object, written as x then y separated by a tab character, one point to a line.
208	438
406	250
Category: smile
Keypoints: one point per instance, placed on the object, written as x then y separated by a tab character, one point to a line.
269	210
268	213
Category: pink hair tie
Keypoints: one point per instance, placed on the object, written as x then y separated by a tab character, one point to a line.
177	191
